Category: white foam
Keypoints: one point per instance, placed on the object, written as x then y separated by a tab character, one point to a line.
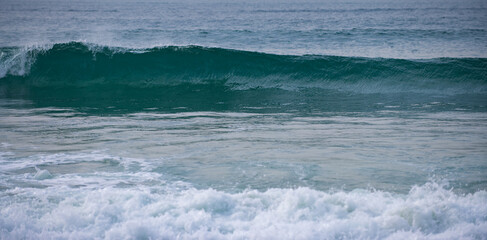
65	158
426	212
42	174
18	61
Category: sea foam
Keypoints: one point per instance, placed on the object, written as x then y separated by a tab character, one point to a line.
427	212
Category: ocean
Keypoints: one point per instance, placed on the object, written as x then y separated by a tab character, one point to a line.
249	119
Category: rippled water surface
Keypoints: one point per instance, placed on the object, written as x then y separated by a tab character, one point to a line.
243	120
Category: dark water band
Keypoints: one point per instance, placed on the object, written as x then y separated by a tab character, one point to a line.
77	64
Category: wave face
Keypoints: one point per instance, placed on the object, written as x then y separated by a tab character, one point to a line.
252	119
83	65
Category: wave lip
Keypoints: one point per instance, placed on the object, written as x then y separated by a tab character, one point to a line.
78	64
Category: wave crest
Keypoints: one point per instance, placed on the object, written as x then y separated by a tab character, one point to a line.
79	64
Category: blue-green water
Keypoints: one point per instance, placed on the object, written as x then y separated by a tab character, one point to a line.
243	120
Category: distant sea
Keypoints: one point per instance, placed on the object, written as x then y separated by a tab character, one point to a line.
243	119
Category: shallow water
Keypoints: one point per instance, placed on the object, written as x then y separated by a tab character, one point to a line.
110	131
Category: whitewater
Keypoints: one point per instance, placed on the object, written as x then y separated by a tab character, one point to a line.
243	120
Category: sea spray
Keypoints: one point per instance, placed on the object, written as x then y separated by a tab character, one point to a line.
243	120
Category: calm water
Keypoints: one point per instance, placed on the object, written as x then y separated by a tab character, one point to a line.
243	120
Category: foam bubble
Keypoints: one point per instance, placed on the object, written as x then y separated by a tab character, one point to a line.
426	212
42	174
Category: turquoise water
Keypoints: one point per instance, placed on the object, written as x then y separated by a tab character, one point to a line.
248	120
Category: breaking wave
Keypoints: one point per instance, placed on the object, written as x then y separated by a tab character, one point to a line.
427	212
78	64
